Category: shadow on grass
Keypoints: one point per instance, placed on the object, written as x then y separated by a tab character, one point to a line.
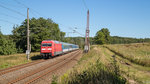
36	57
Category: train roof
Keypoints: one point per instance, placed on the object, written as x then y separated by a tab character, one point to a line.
60	42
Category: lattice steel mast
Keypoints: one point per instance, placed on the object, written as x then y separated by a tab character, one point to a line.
87	43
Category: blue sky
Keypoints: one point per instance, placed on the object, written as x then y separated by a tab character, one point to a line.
126	18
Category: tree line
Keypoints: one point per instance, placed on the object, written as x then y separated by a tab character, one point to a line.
103	37
127	40
7	46
43	29
40	29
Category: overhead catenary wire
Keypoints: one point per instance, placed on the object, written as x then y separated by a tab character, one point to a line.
10	16
85	5
12	10
76	31
24	6
21	4
31	9
11	5
33	13
7	21
38	13
72	29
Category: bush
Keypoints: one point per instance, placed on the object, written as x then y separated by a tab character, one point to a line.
95	74
92	70
7	46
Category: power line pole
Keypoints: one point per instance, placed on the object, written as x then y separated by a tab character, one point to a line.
87	43
28	44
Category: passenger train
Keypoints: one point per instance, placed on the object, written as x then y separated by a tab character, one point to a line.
51	48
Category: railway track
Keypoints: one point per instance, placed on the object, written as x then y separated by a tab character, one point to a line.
11	69
48	69
54	69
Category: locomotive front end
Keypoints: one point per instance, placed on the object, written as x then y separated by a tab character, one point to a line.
46	49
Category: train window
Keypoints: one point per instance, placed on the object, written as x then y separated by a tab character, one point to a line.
49	44
46	44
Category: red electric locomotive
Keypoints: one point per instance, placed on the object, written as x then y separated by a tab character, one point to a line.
50	48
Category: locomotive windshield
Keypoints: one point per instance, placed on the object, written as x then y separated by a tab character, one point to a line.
46	44
49	44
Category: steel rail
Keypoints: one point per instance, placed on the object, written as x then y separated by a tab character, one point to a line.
58	67
38	70
14	68
7	70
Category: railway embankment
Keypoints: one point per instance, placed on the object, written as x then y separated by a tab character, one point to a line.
135	73
91	69
135	53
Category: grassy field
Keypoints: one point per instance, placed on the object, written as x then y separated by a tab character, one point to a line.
104	66
134	73
136	53
91	69
16	59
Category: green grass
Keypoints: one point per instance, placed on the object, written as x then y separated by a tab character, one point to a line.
91	69
140	74
15	59
136	53
104	66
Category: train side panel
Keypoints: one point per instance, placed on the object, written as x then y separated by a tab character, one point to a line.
65	48
57	49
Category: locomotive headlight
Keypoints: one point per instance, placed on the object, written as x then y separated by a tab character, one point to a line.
43	49
49	49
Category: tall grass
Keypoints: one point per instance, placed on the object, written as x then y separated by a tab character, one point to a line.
90	70
15	59
137	53
134	73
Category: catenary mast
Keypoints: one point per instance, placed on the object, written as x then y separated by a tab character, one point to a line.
87	43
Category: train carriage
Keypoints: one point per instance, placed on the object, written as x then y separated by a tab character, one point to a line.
50	48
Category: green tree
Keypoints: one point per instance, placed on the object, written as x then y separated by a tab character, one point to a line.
40	29
102	36
7	46
127	40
